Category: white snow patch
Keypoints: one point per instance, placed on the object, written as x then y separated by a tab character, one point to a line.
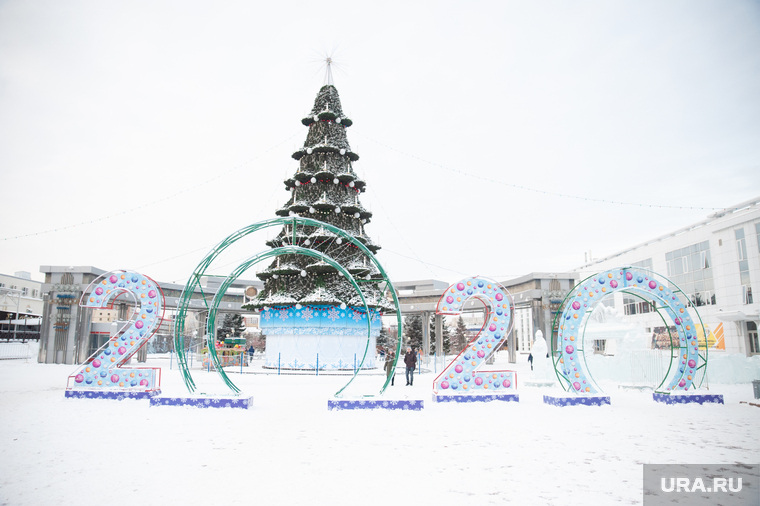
289	449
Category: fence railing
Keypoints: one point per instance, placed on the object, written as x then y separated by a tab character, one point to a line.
19	335
18	350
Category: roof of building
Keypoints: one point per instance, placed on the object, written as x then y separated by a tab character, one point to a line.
712	218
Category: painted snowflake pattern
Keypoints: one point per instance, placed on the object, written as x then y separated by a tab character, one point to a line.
284	314
267	315
333	314
307	314
356	316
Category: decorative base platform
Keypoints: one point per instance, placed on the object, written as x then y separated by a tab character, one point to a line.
118	395
204	402
577	400
688	398
476	398
391	404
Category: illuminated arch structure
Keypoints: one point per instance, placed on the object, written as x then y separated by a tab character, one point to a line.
296	247
688	358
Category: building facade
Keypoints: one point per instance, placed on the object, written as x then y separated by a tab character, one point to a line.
537	297
20	306
716	265
69	334
421	297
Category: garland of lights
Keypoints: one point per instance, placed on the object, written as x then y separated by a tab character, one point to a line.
321	307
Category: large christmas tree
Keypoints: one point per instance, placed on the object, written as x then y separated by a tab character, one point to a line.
324	187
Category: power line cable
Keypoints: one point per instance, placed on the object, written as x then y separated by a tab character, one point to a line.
386	216
535	190
426	264
174	195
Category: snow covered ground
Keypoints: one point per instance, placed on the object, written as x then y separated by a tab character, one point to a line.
289	449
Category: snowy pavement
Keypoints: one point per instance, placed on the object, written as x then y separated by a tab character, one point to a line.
289	449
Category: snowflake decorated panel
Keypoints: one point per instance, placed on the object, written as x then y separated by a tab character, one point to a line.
319	320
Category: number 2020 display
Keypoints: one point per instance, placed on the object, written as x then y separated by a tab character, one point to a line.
104	370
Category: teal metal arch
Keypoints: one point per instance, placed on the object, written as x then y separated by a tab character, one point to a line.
688	363
297	250
200	270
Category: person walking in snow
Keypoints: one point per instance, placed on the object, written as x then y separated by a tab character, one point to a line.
390	370
410	359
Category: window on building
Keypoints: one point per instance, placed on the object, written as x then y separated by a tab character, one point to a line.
600	345
754	345
690	269
741	251
24	291
741	243
746	294
635	305
644	264
629	305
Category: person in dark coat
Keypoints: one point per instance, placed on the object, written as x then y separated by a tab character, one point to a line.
410	359
530	359
390	370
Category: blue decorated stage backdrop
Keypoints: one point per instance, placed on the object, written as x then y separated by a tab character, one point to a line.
324	337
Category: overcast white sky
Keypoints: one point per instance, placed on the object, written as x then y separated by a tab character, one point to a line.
496	138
